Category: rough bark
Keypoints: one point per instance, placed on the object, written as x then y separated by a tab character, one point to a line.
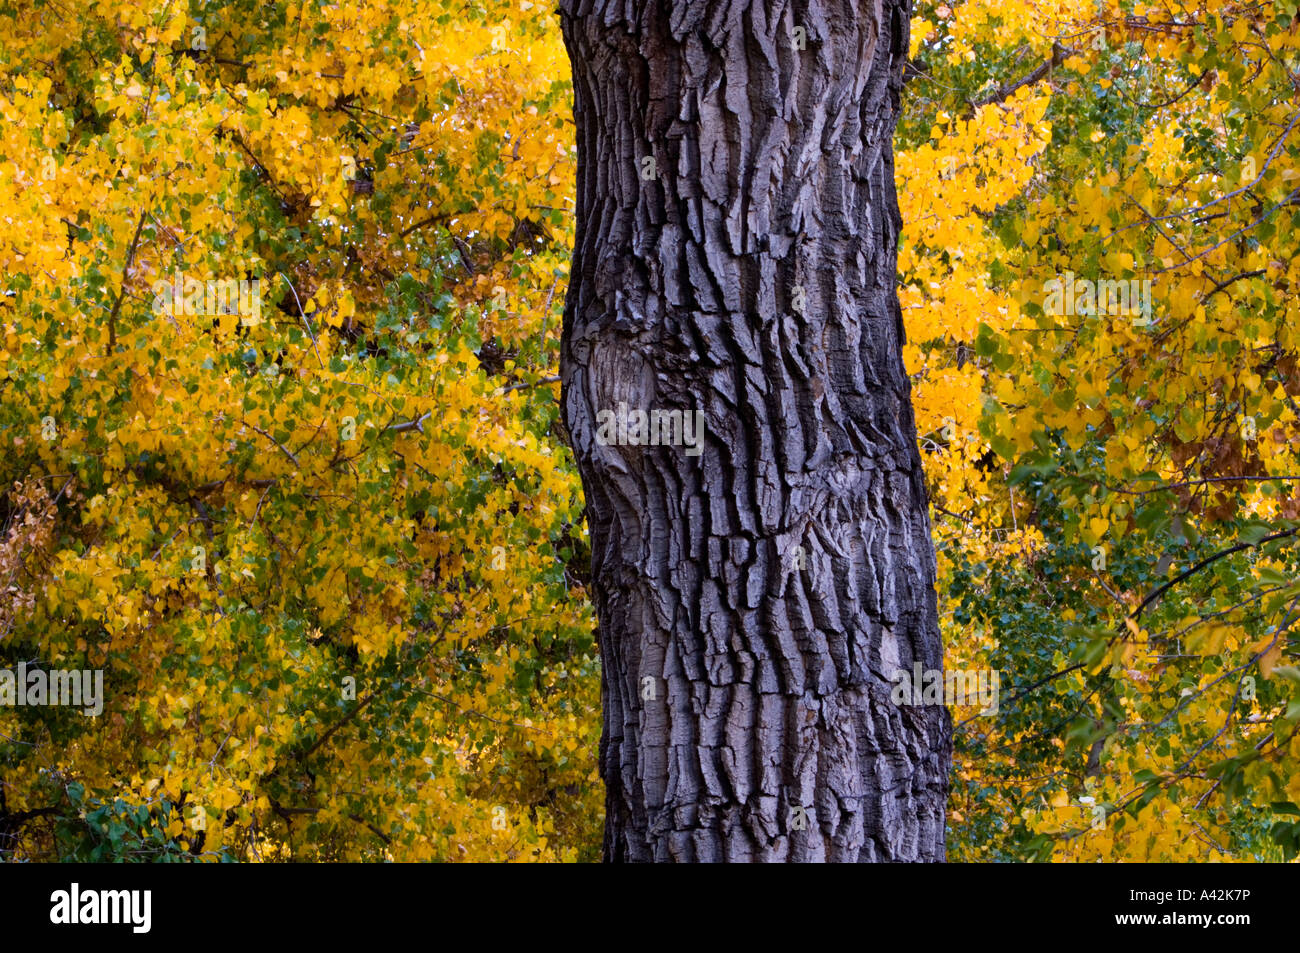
754	600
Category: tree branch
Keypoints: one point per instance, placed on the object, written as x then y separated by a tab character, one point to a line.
1059	55
1161	590
121	292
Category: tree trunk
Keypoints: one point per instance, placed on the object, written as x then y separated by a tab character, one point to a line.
736	254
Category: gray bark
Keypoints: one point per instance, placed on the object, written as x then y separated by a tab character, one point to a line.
754	600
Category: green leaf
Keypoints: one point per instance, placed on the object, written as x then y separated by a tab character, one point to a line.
1255	533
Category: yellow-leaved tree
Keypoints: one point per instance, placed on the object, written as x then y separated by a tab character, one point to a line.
280	287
